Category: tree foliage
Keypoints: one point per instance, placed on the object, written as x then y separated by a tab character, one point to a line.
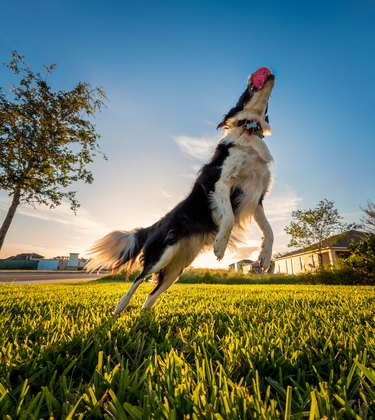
368	220
47	138
362	260
362	257
313	226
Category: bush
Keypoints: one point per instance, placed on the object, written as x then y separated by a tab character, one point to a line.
361	262
342	275
222	276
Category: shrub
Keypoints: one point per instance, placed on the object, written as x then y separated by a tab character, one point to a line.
361	261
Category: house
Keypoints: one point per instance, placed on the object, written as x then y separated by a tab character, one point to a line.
245	266
307	259
33	261
71	262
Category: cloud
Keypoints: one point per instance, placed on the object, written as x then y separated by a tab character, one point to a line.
59	232
278	206
244	252
353	217
165	193
281	202
63	215
199	147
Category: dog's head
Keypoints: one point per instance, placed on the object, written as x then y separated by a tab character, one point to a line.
253	103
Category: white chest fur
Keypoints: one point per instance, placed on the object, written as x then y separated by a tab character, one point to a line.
249	157
247	168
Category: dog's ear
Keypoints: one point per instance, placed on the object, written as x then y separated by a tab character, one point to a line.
220	125
230	114
241	103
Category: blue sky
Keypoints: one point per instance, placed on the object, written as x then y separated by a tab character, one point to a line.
171	69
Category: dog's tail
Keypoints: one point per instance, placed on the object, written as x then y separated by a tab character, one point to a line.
118	250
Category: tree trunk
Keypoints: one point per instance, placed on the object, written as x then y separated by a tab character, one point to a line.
9	217
320	255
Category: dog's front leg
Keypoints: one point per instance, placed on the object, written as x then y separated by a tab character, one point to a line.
267	237
225	218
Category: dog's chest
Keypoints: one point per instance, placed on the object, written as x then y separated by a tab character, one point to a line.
246	160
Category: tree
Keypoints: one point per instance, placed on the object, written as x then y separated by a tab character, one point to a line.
46	139
313	226
361	261
369	219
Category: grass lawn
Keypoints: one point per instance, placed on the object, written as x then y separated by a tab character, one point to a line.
204	351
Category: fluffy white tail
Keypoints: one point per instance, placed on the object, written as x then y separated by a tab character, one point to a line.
116	250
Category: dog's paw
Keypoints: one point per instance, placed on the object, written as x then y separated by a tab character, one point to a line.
121	306
264	259
262	266
219	248
116	311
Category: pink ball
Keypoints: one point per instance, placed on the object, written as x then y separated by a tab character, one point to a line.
259	77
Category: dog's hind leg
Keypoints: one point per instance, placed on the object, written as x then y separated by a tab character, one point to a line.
154	262
124	301
267	237
166	278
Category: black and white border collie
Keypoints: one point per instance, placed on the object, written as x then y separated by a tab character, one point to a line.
227	194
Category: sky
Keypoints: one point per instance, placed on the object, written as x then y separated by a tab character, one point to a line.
171	70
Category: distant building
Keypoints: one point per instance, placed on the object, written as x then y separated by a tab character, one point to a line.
307	259
245	266
33	261
48	264
71	262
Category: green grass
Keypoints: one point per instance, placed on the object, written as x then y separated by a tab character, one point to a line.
204	351
230	277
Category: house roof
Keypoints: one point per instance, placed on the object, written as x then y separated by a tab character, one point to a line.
341	240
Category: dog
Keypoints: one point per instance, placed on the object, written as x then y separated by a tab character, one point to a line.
226	195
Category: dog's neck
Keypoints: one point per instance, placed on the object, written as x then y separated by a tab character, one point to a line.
251	127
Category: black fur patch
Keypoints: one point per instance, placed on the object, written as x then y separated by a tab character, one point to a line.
240	105
210	173
190	217
235	197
